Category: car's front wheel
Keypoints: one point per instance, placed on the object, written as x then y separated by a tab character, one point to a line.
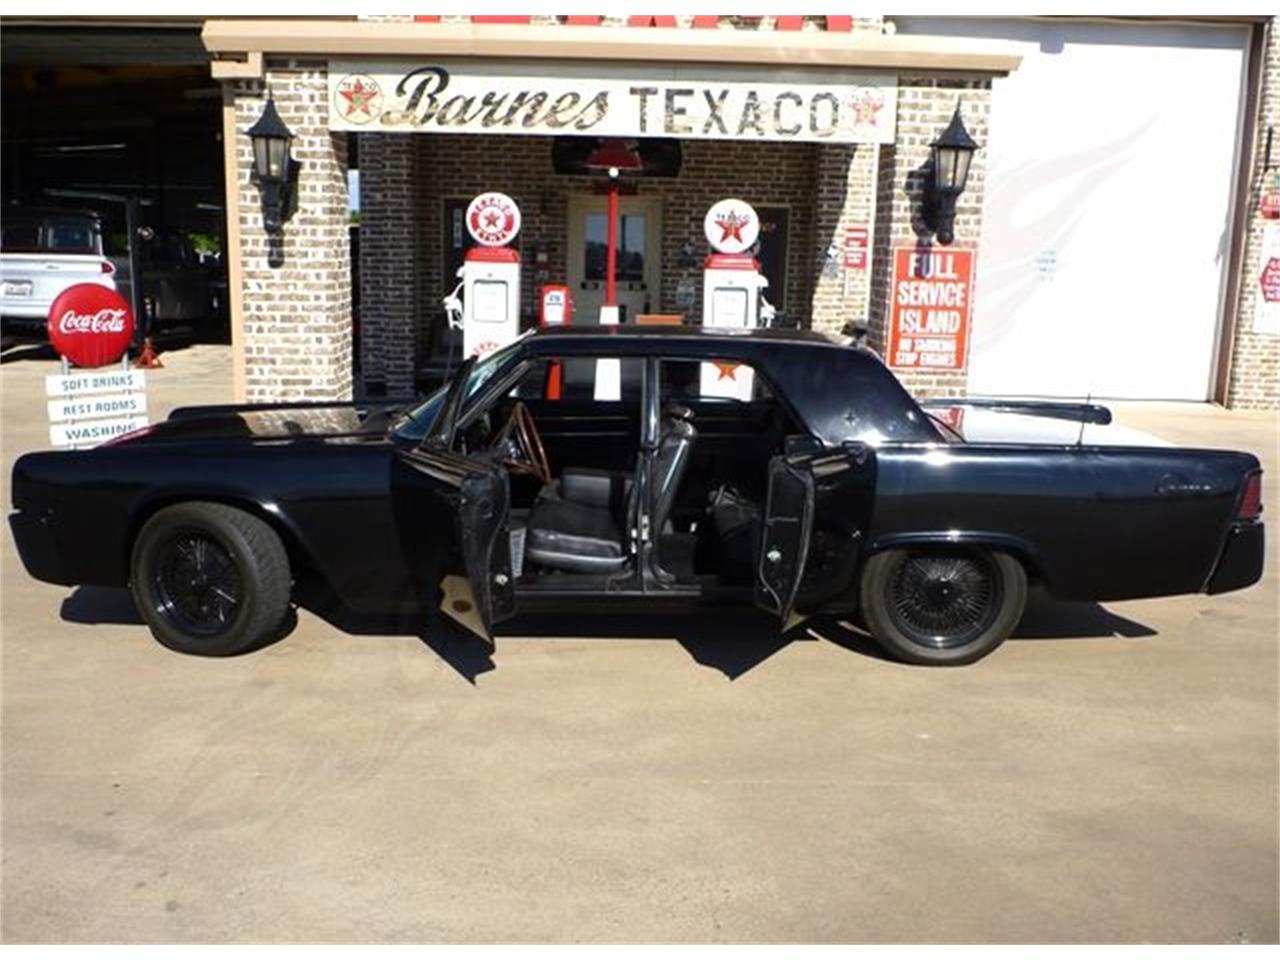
210	579
943	606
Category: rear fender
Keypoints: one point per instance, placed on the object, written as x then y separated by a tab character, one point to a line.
295	542
1019	549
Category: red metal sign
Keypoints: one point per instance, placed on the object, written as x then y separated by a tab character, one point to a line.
929	310
1269	278
493	219
90	325
1269	206
855	248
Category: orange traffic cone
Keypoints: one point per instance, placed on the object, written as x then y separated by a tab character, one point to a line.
148	359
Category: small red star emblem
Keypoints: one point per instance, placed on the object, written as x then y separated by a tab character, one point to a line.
727	371
731	225
359	98
865	106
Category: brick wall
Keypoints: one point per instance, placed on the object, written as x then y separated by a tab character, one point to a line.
1255	366
388	264
296	332
925	106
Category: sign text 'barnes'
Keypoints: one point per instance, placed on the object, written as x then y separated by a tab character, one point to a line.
698	103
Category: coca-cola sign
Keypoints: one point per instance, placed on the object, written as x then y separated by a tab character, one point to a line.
90	325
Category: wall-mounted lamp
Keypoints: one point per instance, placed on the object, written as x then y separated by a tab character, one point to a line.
273	167
952	152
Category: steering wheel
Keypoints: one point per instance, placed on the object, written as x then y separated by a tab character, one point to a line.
524	450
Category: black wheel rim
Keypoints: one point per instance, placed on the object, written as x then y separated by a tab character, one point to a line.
197	585
944	601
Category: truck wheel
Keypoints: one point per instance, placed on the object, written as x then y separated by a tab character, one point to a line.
210	579
942	607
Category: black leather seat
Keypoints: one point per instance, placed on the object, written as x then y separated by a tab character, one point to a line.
587	537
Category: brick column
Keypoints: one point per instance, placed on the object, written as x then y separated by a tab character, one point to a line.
1254	381
389	254
925	106
296	323
844	196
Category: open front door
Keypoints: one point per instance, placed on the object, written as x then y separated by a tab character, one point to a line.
828	491
453	511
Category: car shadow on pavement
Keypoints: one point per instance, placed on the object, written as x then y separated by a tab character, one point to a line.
731	640
100	605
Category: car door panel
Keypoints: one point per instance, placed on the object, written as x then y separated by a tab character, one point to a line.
817	508
457	513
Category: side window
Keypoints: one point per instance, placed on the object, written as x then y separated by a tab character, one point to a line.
581	379
703	381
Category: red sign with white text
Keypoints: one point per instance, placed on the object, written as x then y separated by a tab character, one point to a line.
1269	278
855	247
90	325
929	309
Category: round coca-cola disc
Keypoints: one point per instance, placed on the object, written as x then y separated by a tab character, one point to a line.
90	325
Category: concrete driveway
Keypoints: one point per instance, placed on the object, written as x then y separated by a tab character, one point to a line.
1109	775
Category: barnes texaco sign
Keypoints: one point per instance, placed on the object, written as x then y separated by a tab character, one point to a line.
614	100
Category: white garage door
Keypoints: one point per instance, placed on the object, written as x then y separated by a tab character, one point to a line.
1110	166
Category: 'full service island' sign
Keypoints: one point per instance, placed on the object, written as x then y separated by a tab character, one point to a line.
929	315
534	98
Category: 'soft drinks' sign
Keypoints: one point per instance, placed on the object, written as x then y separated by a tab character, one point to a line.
929	310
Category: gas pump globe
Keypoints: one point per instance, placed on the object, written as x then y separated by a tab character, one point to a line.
486	301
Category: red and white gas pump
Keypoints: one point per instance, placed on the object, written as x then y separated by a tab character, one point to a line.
732	290
489	278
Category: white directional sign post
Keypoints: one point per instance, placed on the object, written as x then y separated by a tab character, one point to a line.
91	406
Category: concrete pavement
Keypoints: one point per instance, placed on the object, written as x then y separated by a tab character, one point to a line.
1109	775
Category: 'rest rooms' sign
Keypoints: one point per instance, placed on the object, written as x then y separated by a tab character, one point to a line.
929	311
542	98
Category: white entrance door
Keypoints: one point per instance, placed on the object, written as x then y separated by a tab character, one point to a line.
639	256
1110	166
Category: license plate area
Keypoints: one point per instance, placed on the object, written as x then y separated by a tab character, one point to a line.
17	288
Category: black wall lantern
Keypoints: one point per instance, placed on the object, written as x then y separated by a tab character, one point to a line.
273	167
952	153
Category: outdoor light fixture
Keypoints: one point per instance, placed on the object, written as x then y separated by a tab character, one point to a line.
952	152
273	167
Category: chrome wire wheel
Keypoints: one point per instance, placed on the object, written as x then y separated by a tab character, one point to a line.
944	602
197	585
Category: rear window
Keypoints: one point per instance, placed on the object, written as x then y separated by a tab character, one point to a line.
74	235
71	236
20	238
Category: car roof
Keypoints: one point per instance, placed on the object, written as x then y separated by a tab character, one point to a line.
39	213
659	331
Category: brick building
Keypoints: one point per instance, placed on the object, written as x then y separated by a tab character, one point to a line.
1204	334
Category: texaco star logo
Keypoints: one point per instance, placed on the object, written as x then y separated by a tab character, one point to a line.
866	104
358	98
731	226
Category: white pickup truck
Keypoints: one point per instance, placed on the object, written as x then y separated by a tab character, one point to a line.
42	252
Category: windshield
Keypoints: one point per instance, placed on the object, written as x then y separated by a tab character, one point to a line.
415	424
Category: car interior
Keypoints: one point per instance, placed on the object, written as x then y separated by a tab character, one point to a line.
573	464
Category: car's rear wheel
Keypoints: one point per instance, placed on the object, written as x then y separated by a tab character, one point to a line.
942	606
210	579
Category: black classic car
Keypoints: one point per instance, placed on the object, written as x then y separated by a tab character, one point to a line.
595	465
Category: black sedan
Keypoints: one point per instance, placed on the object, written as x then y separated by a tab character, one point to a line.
645	465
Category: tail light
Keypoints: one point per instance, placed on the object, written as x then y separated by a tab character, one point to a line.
108	267
131	435
1250	507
